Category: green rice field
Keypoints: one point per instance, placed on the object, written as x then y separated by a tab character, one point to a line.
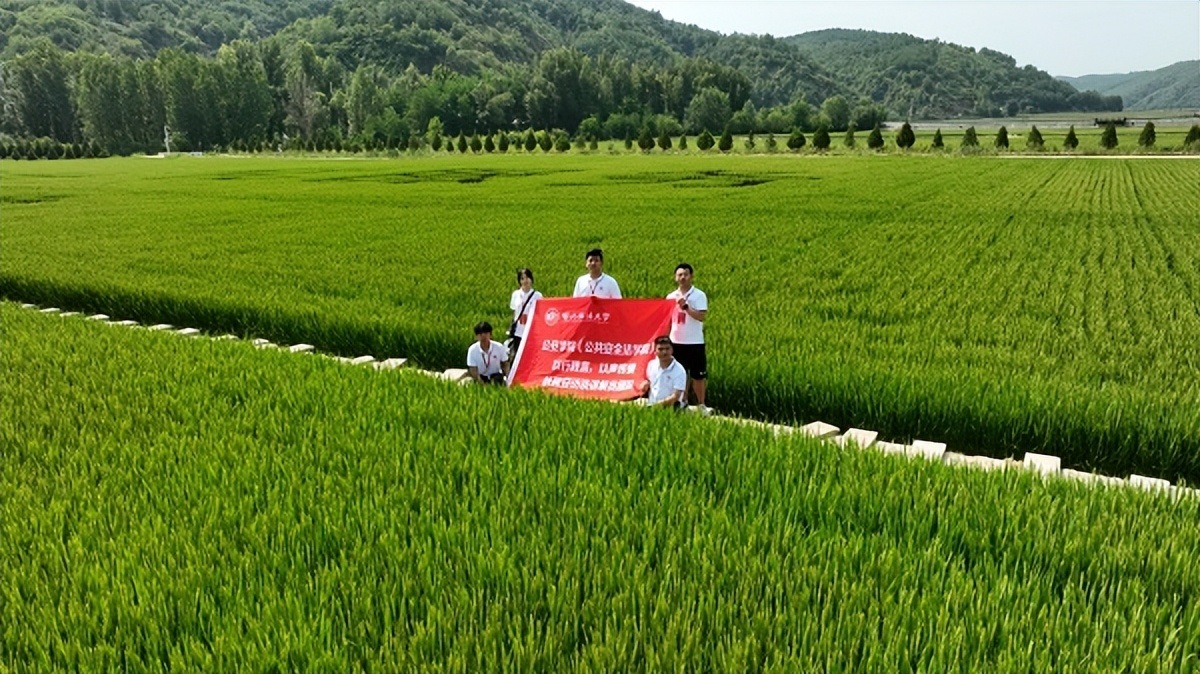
1001	306
173	504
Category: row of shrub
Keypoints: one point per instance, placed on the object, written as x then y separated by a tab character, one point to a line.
559	141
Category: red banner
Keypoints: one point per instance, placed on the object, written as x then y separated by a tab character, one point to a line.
590	347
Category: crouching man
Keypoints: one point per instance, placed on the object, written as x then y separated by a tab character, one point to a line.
487	360
666	380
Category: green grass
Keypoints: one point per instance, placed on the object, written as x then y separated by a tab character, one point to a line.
999	306
175	504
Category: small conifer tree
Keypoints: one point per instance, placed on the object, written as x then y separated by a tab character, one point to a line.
664	141
1071	141
970	138
1002	138
875	138
772	144
706	141
1108	139
937	140
821	138
848	140
628	141
796	140
906	138
726	143
580	142
1034	140
750	141
545	140
502	144
645	139
562	142
1193	135
593	144
489	144
1147	137
476	144
530	140
683	144
462	143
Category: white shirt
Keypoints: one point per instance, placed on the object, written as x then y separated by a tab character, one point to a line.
665	382
517	301
605	286
684	328
487	363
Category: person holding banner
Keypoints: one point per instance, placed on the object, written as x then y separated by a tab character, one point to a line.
521	304
687	331
596	283
666	380
487	361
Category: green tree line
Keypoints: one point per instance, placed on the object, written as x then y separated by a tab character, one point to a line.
254	94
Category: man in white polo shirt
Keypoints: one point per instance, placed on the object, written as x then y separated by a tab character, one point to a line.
687	331
666	382
596	283
487	360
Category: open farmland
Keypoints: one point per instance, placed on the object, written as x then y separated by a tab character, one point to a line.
175	504
999	306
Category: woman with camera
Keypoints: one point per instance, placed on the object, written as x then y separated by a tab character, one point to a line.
523	299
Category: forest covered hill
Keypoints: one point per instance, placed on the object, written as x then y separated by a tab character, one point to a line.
1175	86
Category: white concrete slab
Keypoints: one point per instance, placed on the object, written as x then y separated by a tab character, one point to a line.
820	429
1079	475
1042	463
934	451
363	360
126	323
188	332
28	306
228	337
858	437
50	310
301	348
69	314
390	363
1149	483
979	462
162	326
456	374
891	447
98	317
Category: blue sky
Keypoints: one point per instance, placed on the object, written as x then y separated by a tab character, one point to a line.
1062	37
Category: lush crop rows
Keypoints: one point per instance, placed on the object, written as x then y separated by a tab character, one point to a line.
196	505
1000	306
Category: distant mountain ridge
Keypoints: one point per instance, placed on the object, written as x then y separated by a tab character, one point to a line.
1175	86
919	78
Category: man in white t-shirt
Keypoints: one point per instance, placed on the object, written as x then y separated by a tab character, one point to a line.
521	303
687	330
596	283
487	360
666	382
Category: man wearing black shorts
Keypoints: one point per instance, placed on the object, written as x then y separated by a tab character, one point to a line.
687	330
